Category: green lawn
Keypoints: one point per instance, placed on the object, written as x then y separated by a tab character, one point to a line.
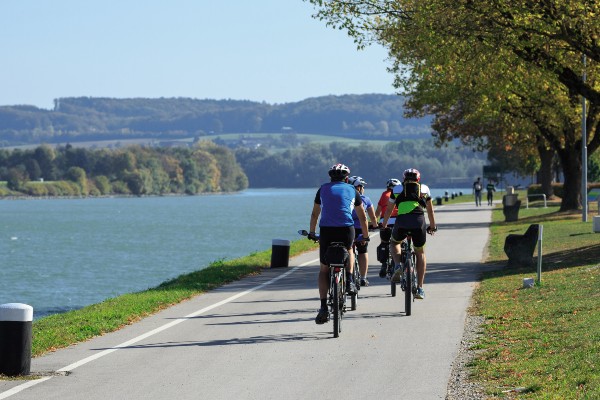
544	342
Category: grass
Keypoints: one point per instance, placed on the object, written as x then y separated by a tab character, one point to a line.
61	330
544	342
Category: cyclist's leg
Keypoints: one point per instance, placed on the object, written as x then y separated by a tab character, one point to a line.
323	281
398	235
363	260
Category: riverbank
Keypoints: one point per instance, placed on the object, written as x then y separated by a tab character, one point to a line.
61	330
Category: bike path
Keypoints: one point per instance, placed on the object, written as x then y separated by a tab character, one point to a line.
256	338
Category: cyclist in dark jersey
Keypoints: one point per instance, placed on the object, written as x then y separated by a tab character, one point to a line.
411	198
334	203
362	249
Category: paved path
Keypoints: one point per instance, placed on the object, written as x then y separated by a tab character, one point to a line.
256	338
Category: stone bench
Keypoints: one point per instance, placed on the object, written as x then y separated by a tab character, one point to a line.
520	248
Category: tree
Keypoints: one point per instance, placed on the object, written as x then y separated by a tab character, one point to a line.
512	58
78	175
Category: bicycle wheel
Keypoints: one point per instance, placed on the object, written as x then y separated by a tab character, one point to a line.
343	297
414	276
390	263
337	313
408	276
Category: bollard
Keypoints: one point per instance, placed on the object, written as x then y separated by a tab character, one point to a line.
280	253
528	283
15	339
438	201
596	226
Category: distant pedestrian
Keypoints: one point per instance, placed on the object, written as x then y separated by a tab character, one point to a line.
477	188
490	192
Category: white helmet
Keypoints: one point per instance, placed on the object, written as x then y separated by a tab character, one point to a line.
392	182
356	181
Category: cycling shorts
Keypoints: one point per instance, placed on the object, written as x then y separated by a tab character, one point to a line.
413	225
330	234
361	248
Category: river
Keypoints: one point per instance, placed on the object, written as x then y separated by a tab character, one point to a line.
64	254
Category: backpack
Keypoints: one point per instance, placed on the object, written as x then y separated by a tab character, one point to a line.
411	191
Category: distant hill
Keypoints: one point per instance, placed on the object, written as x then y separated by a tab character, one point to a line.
77	119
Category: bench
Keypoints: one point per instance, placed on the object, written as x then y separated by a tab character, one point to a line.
520	248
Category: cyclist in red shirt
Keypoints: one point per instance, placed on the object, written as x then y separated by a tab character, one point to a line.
380	212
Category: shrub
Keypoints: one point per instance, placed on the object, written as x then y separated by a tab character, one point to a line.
37	189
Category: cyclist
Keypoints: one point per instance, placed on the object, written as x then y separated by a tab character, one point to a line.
334	203
363	256
380	212
411	198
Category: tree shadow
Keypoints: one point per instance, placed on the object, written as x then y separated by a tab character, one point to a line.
550	262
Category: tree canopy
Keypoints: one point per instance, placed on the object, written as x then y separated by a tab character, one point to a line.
494	74
135	170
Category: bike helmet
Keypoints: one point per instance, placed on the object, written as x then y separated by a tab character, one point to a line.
339	171
392	182
356	181
412	175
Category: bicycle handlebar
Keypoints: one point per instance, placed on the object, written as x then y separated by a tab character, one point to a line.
315	236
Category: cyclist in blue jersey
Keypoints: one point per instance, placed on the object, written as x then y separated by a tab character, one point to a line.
412	198
334	203
363	256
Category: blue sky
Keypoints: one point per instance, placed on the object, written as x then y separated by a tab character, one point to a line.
260	50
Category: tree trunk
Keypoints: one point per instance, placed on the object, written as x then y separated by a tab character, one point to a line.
544	175
570	160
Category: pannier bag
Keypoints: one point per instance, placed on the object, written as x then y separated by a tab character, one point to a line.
382	252
336	254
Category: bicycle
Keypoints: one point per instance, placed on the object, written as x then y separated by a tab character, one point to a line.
408	283
384	256
356	272
337	258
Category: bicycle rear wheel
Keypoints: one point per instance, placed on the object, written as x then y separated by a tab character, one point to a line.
408	276
390	263
337	306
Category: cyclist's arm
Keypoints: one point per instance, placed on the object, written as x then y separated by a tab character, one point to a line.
388	213
430	213
362	218
314	217
372	217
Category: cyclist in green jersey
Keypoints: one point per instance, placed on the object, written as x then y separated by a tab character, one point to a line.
412	199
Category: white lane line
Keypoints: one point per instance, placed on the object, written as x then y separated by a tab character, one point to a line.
146	335
21	387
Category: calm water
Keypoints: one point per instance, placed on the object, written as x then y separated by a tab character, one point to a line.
60	254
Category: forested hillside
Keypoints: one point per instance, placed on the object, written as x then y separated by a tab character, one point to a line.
373	116
307	165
